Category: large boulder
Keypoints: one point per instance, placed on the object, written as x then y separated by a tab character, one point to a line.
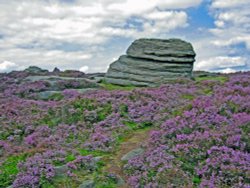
151	62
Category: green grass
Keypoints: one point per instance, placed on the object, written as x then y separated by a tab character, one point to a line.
111	87
94	153
123	110
137	126
188	96
9	170
123	137
208	91
179	111
196	180
69	158
4	135
104	181
222	79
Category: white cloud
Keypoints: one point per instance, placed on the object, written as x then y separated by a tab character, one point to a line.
44	58
139	7
164	21
229	3
233	41
35	32
32	30
232	20
228	70
218	49
84	69
179	4
82	22
220	62
7	66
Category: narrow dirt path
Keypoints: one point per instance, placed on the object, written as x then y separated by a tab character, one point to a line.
133	141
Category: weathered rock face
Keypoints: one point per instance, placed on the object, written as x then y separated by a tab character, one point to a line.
151	62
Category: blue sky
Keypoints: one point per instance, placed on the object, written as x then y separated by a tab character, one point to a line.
88	35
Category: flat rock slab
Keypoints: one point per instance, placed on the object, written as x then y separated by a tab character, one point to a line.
58	83
61	170
45	95
127	63
87	184
52	78
132	154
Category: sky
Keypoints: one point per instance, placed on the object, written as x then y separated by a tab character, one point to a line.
88	35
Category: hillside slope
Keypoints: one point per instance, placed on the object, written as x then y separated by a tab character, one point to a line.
184	134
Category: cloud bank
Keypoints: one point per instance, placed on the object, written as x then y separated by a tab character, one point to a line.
83	33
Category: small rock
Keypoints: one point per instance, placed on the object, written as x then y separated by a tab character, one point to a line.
44	95
87	184
96	159
120	181
117	179
90	116
56	70
61	170
93	163
132	154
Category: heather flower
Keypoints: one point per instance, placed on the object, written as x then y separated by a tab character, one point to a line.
33	171
225	167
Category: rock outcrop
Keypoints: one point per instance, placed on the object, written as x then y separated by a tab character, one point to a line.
54	85
151	62
56	70
35	70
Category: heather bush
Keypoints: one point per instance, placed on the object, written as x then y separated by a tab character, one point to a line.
209	142
34	172
225	167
